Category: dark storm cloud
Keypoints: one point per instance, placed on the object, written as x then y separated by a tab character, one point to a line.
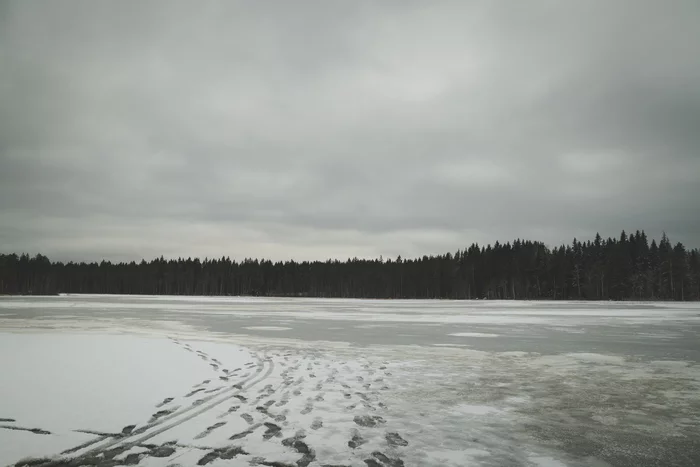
316	129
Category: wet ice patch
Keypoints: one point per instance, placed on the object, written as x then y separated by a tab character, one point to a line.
670	364
457	457
570	330
605	419
597	358
469	409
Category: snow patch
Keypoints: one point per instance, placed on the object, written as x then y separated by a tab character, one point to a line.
473	334
543	461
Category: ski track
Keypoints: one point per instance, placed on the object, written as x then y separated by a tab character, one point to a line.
282	409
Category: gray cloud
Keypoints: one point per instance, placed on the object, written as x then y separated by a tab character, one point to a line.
335	129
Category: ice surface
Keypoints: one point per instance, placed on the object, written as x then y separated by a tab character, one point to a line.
349	382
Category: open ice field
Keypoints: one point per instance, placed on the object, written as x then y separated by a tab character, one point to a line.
163	381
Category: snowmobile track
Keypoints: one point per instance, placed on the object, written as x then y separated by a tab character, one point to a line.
265	367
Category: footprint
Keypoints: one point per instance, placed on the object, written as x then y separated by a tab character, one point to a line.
192	393
386	460
221	453
247	418
241	398
209	430
394	439
283	401
128	429
307	409
241	435
162	451
319	397
133	458
356	440
198	402
309	455
317	423
160	414
272	430
166	401
368	421
229	411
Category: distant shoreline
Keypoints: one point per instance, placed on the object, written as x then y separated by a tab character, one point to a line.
631	267
82	295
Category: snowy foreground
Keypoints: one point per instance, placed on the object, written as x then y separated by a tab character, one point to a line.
163	381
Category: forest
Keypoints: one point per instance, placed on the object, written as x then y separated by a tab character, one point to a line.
625	268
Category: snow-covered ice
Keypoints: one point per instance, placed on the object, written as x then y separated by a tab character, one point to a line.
161	381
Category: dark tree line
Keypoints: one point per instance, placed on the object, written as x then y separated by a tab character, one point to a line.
625	268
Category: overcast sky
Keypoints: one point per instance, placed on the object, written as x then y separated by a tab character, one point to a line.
310	130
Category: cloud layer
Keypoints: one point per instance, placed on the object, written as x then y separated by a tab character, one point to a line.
310	130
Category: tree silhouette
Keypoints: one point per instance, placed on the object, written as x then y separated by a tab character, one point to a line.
612	269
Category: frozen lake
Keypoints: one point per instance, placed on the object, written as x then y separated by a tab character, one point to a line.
116	380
